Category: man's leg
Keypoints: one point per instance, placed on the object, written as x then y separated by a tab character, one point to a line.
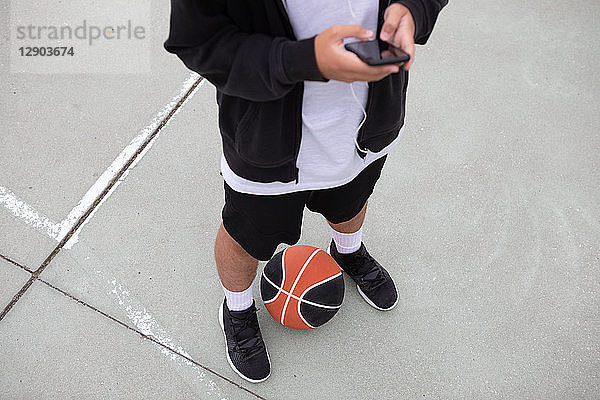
345	207
373	281
352	225
236	267
252	228
237	314
347	235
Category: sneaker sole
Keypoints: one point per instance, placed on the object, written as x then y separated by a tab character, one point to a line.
229	359
364	296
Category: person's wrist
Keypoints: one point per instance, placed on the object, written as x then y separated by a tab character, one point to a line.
320	57
299	58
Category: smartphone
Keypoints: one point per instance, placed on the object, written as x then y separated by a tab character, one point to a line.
371	54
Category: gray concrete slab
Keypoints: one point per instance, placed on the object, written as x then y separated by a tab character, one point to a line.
20	242
54	347
493	203
61	131
486	215
480	314
12	279
152	240
173	200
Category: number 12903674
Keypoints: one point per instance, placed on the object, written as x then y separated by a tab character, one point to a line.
46	51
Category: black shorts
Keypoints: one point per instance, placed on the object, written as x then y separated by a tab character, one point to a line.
259	223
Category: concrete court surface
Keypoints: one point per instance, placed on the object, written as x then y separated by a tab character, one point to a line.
487	215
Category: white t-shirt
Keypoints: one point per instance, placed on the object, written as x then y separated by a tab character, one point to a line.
330	114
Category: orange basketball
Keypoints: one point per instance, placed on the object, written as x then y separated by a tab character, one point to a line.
302	287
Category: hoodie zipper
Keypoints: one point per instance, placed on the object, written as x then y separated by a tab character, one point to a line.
298	134
369	105
369	111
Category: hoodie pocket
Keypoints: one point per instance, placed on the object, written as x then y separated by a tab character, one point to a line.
261	138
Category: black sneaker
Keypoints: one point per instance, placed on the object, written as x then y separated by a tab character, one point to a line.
246	351
373	282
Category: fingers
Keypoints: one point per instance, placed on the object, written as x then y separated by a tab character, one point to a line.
403	39
399	29
336	63
388	54
357	70
392	20
385	71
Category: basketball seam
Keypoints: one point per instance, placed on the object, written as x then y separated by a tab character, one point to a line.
317	284
287	301
312	303
282	279
308	301
302	318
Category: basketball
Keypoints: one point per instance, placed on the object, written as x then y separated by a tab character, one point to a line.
302	287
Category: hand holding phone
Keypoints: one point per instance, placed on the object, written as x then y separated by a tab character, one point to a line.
370	53
335	62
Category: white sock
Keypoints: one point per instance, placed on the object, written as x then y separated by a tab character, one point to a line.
347	242
238	301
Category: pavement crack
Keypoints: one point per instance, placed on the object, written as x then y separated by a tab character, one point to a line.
152	339
16	263
35	274
17	296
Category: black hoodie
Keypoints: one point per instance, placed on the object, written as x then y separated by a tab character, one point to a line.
248	51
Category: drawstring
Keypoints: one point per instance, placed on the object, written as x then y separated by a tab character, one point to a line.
361	122
353	93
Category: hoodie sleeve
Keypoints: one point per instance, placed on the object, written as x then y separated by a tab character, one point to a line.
425	13
253	66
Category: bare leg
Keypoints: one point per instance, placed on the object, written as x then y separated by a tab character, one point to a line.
353	224
236	267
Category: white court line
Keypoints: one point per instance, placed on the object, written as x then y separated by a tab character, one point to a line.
136	313
58	231
104	180
147	324
24	211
